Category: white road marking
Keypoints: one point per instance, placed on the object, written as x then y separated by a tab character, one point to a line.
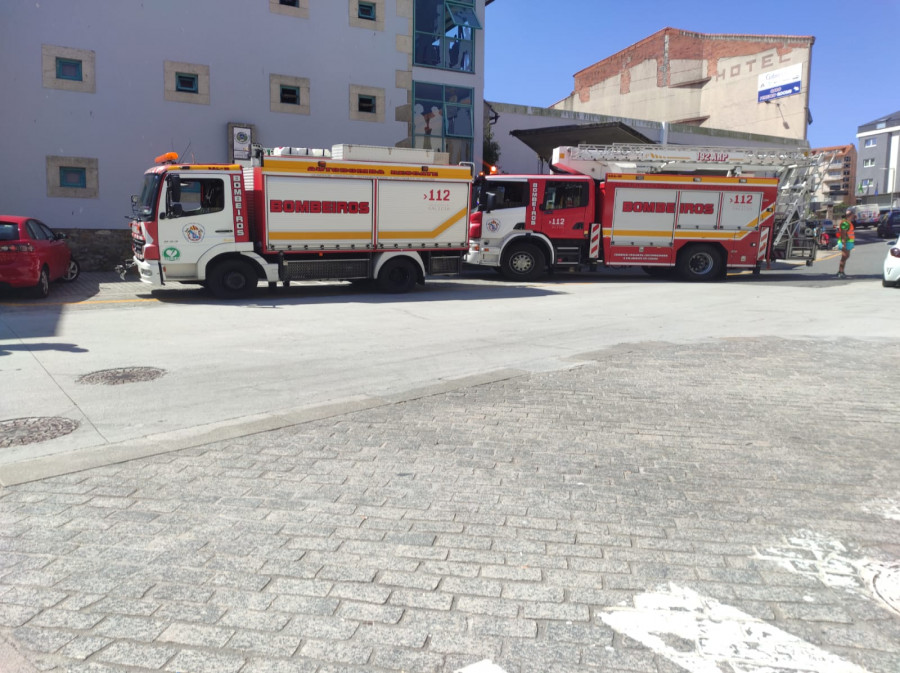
702	635
484	666
888	508
814	555
830	562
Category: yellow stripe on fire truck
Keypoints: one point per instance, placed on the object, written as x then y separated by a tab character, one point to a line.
434	233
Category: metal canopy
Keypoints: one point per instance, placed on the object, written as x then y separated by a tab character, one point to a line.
544	140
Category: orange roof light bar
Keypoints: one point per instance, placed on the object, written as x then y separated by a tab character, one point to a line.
167	158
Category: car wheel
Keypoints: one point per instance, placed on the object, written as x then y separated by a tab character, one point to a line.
524	261
397	276
888	283
700	262
233	279
72	271
42	289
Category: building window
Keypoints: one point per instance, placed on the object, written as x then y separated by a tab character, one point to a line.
74	177
868	163
69	68
871	142
445	34
443	119
295	8
290	95
366	104
366	11
186	82
367	14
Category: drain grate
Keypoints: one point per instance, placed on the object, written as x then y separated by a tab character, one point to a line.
19	431
120	376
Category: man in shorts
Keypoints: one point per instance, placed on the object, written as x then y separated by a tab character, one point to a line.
845	240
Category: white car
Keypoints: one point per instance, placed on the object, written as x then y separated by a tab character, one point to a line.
892	266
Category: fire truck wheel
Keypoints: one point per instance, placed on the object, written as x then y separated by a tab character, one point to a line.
700	262
523	261
233	279
397	276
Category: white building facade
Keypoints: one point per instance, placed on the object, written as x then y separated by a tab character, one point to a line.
878	161
94	90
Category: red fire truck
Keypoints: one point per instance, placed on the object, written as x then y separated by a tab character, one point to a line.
354	212
698	211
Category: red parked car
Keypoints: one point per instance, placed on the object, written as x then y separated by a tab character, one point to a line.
32	256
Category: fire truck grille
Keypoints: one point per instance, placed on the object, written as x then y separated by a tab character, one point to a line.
319	269
138	248
448	264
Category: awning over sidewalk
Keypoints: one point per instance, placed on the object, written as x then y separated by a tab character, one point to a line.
544	140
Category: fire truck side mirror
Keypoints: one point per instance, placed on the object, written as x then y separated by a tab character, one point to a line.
490	201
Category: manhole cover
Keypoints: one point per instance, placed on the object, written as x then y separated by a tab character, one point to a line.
116	377
19	431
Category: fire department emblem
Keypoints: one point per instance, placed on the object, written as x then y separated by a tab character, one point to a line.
493	224
193	233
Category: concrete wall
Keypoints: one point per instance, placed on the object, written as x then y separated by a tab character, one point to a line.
127	116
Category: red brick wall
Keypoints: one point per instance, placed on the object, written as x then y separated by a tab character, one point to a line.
684	45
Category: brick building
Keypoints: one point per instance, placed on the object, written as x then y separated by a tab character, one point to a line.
755	84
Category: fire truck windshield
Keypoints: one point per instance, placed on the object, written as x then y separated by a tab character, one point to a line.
143	206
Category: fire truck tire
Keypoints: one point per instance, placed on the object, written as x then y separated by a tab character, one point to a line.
233	279
42	289
397	276
523	261
700	262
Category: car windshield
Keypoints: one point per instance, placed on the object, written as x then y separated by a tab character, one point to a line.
146	203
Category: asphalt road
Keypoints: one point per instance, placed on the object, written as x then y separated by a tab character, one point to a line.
600	474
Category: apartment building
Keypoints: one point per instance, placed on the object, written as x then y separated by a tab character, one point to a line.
879	160
94	90
839	181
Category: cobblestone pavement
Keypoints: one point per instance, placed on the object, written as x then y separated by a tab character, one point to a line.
507	521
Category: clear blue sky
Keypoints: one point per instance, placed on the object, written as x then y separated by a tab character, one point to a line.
534	47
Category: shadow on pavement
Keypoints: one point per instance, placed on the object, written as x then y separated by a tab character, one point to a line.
358	293
6	349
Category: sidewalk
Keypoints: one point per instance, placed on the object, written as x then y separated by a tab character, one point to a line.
537	522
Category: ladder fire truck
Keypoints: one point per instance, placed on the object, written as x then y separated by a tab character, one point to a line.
696	210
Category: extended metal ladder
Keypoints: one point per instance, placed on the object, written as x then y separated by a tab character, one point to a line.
799	172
